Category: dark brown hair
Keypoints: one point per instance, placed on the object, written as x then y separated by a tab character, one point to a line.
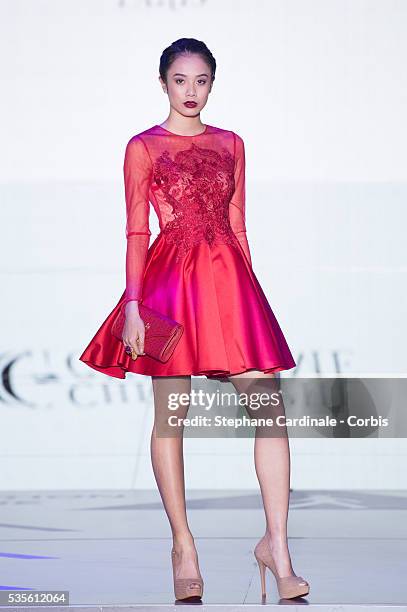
185	45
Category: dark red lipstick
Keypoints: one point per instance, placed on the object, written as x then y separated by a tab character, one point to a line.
190	104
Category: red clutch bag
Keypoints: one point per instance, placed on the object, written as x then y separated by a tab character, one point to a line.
161	332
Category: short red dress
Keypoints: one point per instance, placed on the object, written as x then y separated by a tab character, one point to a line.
198	269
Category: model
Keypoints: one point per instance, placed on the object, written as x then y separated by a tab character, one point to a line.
198	271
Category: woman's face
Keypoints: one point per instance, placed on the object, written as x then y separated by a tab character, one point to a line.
188	80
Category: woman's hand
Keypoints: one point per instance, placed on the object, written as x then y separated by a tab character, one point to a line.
134	332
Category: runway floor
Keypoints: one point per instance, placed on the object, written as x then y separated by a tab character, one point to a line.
111	549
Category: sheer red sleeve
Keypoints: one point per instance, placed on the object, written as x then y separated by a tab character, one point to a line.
137	170
237	205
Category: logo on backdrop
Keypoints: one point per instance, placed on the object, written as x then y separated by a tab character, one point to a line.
52	379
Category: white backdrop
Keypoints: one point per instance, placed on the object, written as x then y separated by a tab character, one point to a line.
317	90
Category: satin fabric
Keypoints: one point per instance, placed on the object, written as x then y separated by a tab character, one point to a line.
229	326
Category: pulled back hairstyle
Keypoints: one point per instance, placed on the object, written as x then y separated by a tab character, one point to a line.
182	46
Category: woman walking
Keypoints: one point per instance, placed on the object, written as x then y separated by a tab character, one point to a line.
198	271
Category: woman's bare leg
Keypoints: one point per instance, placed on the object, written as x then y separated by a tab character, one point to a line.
272	463
168	466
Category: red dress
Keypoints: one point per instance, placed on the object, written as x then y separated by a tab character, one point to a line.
198	269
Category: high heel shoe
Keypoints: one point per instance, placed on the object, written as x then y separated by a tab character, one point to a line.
185	587
288	586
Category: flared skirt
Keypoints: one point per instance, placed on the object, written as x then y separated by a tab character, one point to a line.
229	326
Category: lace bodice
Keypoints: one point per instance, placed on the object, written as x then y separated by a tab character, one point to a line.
196	185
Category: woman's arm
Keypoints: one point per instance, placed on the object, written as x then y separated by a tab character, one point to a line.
137	170
237	206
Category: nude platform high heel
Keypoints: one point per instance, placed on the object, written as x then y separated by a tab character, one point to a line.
288	586
185	587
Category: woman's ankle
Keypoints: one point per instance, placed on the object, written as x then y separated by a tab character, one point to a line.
182	541
278	541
